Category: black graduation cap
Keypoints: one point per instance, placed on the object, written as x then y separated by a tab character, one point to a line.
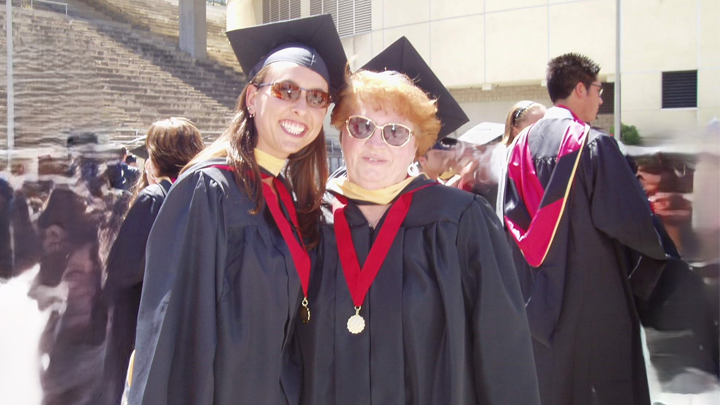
445	144
86	138
140	151
312	42
402	57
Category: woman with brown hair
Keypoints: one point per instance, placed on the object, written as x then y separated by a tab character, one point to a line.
170	145
227	267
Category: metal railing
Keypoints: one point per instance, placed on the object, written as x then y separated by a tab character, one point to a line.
140	134
57	3
332	145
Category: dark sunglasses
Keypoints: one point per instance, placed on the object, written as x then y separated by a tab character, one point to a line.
393	134
290	92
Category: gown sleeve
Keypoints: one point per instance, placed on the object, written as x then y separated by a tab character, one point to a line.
126	262
176	333
502	354
620	209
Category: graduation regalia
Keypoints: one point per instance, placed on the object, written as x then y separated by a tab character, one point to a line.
125	269
444	319
223	286
219	300
577	214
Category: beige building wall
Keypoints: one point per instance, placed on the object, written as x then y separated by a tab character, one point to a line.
503	44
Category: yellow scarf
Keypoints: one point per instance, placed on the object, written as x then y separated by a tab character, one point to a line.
269	162
445	176
381	196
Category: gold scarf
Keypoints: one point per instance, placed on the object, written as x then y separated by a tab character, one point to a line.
445	176
269	162
383	196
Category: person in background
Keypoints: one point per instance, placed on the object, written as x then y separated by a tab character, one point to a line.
521	115
437	162
131	160
121	175
170	145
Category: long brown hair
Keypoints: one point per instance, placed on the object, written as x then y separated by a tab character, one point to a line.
305	171
171	144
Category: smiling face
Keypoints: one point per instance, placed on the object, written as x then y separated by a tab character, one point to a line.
371	163
286	127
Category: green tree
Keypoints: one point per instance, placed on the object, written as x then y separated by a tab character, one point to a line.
629	135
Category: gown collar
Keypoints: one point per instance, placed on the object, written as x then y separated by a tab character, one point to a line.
383	196
268	162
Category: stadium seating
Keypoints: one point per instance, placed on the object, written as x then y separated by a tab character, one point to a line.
96	71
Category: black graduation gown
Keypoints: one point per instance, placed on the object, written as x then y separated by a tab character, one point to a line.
445	318
219	301
581	309
125	269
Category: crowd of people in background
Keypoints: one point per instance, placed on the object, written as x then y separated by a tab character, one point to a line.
430	269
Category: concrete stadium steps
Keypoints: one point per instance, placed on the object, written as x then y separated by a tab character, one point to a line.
67	100
161	17
73	75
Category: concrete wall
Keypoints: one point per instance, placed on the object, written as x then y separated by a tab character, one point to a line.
507	43
243	13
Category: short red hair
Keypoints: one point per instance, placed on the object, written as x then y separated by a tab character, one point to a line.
389	91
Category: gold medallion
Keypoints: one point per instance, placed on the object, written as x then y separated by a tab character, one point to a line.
305	311
356	323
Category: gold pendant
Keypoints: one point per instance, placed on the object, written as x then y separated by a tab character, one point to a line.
305	311
356	323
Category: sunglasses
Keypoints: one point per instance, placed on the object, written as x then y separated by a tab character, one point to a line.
393	134
290	92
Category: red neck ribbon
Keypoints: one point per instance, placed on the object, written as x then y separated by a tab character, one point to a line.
297	249
358	281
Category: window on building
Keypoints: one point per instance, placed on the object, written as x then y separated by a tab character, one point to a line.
351	17
679	89
280	10
608	96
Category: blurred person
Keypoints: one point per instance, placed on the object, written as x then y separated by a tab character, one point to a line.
170	145
131	160
26	243
75	227
121	175
6	253
227	268
680	318
68	284
476	169
436	315
586	246
437	162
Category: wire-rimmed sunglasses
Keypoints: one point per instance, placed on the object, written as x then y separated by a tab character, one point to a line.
288	91
393	134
